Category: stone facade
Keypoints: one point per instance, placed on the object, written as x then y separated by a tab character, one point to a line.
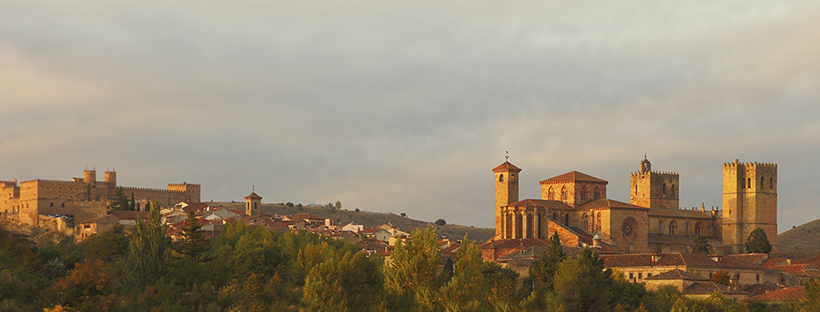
749	202
32	198
651	222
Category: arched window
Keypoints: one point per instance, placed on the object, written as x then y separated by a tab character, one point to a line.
51	204
585	222
672	228
697	228
636	190
551	194
583	193
555	216
598	222
62	205
672	190
664	189
742	183
512	178
762	186
500	178
771	183
596	194
564	194
566	219
749	182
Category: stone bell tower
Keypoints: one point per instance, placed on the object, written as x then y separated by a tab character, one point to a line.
749	202
252	203
506	191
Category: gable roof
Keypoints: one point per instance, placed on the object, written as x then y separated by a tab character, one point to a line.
710	287
574	176
677	274
506	166
253	195
609	203
789	294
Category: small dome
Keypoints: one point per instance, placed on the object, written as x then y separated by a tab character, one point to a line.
596	237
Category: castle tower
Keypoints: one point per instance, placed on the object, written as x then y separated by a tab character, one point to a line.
111	177
749	202
252	203
89	176
654	189
506	191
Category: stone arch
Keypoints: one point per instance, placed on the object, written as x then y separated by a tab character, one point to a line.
583	193
585	222
564	196
551	194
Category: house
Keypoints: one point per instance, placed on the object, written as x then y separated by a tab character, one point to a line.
377	234
94	226
747	269
790	294
128	219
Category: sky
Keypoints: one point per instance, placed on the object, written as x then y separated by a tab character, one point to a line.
406	106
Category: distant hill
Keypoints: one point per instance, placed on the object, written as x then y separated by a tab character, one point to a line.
370	219
802	238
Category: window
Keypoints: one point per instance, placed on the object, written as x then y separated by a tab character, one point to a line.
630	275
598	222
583	193
551	194
648	274
585	222
749	182
564	194
762	186
512	178
664	189
672	190
51	204
640	275
771	183
62	205
672	228
597	194
500	178
697	229
757	276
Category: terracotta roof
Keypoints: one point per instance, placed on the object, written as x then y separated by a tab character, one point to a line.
680	213
708	288
573	176
253	196
608	203
789	294
741	261
130	215
659	239
109	218
515	243
763	288
677	274
506	166
552	204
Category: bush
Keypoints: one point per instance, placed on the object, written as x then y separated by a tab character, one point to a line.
440	222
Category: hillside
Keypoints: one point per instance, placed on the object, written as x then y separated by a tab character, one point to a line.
370	219
802	238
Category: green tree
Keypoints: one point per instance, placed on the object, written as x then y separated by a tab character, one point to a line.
582	284
411	277
758	242
148	255
542	270
465	290
500	287
120	201
352	283
338	205
701	245
811	301
440	222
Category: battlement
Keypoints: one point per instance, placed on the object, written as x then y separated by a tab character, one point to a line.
656	172
737	163
182	184
145	189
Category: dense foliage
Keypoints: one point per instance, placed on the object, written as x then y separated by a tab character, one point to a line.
252	269
758	242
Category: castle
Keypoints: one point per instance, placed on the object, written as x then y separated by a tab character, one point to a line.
575	205
38	197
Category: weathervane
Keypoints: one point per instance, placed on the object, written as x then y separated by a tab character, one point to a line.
507	156
253	188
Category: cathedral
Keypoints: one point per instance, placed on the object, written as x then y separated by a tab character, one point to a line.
575	205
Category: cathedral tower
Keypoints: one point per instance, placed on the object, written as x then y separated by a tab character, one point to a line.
653	189
749	202
506	191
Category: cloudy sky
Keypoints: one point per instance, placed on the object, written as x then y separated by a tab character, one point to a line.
406	106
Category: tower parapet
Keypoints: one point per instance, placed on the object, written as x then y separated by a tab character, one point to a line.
749	202
111	177
654	189
89	176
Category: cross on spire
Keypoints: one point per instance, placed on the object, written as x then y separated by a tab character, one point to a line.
507	156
